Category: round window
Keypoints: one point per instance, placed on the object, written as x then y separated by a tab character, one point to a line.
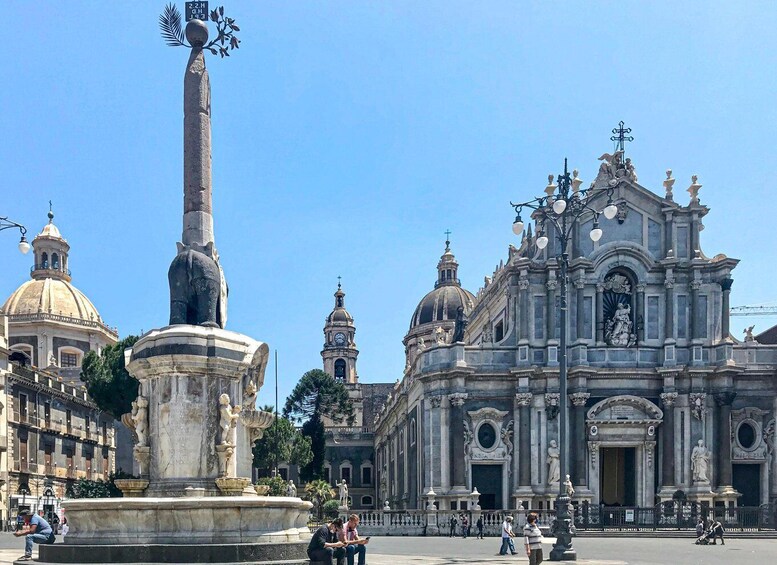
746	435
486	436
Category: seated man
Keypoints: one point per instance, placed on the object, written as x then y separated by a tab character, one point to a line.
324	544
36	530
355	543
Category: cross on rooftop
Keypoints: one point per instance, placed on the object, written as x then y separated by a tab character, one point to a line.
339	278
447	240
620	138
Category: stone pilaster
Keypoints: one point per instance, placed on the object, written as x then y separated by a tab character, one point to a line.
599	314
693	317
523	298
550	310
580	306
639	316
577	456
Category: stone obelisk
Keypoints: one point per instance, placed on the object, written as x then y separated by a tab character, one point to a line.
197	188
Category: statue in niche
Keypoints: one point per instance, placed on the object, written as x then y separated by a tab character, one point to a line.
291	489
700	461
554	469
228	416
461	324
140	420
617	331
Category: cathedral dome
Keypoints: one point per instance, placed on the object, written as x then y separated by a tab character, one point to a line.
50	296
441	304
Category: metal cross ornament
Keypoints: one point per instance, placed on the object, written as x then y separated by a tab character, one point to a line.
620	138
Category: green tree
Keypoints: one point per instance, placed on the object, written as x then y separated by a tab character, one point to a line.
108	383
277	485
282	442
317	397
318	492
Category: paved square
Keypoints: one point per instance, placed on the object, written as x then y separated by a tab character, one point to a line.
591	551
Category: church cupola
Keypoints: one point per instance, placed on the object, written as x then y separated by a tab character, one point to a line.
51	253
340	353
448	267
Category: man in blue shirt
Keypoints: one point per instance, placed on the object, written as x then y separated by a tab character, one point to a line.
35	530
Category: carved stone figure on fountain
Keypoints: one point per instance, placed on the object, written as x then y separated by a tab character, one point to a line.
140	420
291	489
700	461
228	417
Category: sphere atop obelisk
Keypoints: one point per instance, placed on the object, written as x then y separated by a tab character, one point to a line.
197	32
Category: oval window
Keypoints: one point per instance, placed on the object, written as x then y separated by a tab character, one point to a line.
486	436
746	435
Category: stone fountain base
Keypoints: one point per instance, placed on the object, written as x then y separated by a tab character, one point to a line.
210	529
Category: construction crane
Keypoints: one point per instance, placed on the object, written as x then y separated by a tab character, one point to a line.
760	310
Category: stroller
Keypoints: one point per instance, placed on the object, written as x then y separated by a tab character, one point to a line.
704	538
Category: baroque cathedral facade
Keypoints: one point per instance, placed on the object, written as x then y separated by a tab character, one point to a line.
662	398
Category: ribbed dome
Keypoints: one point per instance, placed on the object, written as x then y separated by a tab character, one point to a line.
50	230
50	296
340	315
441	304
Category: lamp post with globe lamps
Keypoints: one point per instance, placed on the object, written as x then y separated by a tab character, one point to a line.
559	212
6	224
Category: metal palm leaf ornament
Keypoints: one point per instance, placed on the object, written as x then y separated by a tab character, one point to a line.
172	31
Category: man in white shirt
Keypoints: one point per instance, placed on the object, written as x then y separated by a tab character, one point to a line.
507	536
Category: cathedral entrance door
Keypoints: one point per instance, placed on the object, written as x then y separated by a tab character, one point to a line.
617	481
488	480
747	480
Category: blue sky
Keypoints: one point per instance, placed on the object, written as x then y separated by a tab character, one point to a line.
349	135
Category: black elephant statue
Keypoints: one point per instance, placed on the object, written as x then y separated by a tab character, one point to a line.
197	288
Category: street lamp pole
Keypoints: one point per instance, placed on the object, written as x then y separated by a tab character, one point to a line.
6	224
559	212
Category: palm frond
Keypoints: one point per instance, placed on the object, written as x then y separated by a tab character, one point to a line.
170	26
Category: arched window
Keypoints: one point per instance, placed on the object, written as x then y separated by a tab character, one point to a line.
366	501
412	431
44	261
54	261
619	308
340	370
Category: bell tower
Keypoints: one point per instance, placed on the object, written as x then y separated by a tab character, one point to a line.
340	353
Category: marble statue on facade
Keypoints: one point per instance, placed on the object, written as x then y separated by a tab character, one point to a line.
611	166
618	329
228	417
343	490
140	420
420	344
749	333
554	469
439	335
291	489
568	488
631	172
700	461
461	324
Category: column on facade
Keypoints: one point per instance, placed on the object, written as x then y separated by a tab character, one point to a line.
725	287
669	308
599	313
724	471
457	438
580	306
694	332
577	443
550	310
523	400
523	299
639	316
446	445
667	439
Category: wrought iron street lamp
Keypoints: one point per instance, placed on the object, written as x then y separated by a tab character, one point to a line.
561	209
6	224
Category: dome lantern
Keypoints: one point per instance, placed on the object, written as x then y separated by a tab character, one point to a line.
50	253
